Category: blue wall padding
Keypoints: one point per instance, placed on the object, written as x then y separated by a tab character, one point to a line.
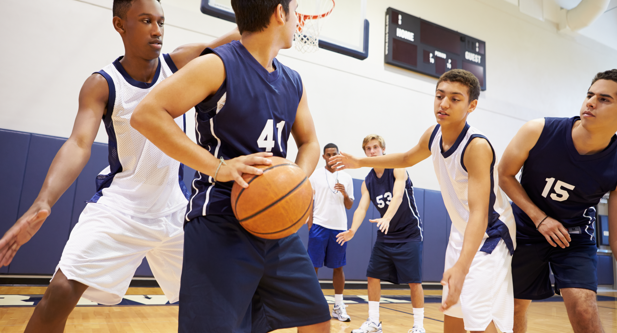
605	270
435	236
42	253
86	182
26	158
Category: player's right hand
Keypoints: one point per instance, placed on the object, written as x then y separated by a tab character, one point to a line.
235	167
344	161
555	233
345	236
22	231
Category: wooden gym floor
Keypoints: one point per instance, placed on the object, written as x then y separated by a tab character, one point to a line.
395	316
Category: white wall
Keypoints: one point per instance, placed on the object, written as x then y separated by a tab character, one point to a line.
50	48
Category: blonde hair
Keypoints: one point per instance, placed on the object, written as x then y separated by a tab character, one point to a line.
371	137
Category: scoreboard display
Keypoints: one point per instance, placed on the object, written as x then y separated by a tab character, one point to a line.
421	46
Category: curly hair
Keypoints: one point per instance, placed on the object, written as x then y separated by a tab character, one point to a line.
610	74
120	7
464	77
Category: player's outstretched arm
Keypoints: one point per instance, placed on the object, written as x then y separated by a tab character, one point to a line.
358	217
511	162
612	222
400	177
65	168
185	53
174	96
303	131
390	161
477	160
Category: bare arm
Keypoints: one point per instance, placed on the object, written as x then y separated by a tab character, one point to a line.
358	217
412	157
478	159
174	96
612	222
305	136
400	177
512	161
185	53
64	169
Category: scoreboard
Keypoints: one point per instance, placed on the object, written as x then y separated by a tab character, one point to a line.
421	46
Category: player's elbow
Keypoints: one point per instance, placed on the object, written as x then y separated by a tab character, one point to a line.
139	118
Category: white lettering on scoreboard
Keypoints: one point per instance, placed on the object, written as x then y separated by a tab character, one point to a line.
440	54
473	57
405	34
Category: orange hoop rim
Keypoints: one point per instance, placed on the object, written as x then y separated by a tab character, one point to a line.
304	17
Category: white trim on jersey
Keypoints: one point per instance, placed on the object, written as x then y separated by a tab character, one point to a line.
414	213
590	219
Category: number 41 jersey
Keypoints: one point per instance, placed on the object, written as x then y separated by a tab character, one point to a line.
564	184
253	111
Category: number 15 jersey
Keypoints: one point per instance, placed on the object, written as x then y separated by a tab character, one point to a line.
253	111
564	184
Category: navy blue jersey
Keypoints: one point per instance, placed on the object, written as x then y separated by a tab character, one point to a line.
405	226
253	111
563	183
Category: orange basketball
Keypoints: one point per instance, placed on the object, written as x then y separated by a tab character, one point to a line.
276	203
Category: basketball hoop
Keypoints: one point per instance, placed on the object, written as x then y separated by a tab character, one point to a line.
309	23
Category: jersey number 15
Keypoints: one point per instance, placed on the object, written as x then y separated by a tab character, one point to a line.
560	189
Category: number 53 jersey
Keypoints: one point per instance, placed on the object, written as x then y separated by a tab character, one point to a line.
253	111
563	183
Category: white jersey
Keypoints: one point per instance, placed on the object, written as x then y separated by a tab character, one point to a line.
453	181
329	207
140	180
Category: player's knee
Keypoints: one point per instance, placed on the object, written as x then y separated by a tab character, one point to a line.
520	307
60	292
585	311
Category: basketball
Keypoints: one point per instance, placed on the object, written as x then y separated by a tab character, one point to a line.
276	203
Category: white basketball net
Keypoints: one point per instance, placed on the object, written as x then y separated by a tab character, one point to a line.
310	19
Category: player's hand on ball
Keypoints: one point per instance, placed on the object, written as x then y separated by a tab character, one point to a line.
344	161
382	224
345	236
555	233
22	231
453	278
235	167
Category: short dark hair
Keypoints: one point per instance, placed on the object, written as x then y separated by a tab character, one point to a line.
254	15
120	7
610	74
330	145
464	77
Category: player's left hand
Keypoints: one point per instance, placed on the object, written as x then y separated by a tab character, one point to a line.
341	188
453	278
383	224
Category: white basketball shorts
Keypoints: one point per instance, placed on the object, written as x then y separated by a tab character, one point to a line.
487	293
106	247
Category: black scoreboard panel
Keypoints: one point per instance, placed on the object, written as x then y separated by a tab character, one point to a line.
419	45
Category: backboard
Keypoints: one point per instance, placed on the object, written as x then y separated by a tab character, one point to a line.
345	31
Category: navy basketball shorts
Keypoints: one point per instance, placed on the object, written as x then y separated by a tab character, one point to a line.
573	267
233	281
323	248
396	262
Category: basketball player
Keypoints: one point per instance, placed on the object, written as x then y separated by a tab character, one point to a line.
247	102
570	163
397	254
477	279
333	194
140	202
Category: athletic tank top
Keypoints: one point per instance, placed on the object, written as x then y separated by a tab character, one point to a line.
564	184
406	225
253	111
453	182
140	179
